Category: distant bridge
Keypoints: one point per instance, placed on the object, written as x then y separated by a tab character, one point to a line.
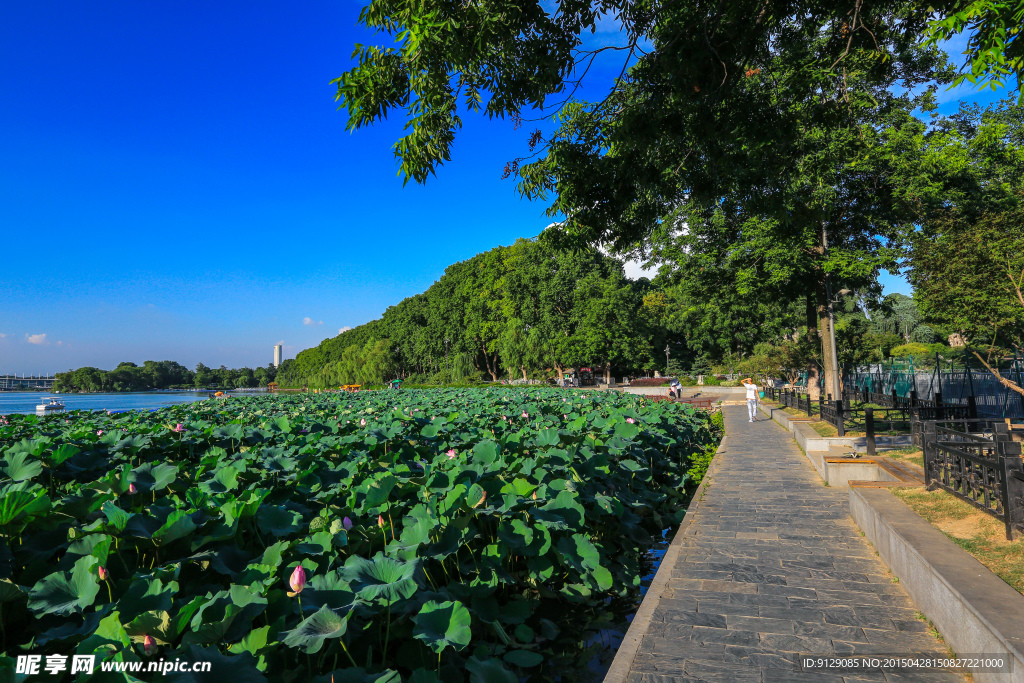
13	382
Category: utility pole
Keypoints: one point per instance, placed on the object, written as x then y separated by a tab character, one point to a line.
666	360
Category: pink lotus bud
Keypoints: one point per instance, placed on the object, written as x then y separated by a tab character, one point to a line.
346	524
132	489
104	574
362	422
380	521
630	420
148	644
565	416
298	580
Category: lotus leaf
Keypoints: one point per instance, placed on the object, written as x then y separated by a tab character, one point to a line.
117	517
33	447
488	671
443	624
381	578
64	593
436	527
242	667
19	466
278	520
310	634
153	477
18	507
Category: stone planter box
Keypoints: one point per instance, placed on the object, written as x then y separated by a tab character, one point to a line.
974	610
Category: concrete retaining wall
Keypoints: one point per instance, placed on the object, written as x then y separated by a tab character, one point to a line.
817	449
975	611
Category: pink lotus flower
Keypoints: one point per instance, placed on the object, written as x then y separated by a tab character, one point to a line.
565	416
346	524
148	644
104	574
362	422
99	432
451	454
180	428
298	579
526	414
132	489
630	420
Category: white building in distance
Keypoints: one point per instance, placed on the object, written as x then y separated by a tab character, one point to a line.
278	354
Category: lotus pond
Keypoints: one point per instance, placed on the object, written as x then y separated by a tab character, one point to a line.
480	535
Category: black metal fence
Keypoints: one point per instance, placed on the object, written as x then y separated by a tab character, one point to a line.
985	471
886	413
955	380
791	398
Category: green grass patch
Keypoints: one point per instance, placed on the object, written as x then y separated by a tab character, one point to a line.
981	535
911	454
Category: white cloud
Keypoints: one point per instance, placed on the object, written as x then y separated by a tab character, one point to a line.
309	321
635	270
344	329
2	335
35	338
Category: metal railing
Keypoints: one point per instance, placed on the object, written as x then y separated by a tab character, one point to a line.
986	472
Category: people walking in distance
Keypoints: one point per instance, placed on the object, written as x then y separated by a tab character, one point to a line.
675	389
752	396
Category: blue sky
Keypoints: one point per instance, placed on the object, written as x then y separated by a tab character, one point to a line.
176	183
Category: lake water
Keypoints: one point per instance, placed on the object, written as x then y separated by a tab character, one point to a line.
26	401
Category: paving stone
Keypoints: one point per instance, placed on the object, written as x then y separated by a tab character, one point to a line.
771	567
716	607
760	624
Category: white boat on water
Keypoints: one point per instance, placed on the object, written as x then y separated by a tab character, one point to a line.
50	403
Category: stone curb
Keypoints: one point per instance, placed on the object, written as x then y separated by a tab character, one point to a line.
974	610
621	665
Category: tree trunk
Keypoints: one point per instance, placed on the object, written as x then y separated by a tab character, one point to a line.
830	376
608	372
523	368
490	365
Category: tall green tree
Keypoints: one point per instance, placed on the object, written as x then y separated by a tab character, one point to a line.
769	120
995	53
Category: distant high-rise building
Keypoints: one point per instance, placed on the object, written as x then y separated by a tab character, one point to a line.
278	354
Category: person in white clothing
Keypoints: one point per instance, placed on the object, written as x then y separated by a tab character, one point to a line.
752	396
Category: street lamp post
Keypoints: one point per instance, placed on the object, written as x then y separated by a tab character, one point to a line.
666	360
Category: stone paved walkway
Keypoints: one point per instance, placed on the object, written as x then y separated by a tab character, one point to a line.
772	566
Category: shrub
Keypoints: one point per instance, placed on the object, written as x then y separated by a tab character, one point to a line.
650	382
911	349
